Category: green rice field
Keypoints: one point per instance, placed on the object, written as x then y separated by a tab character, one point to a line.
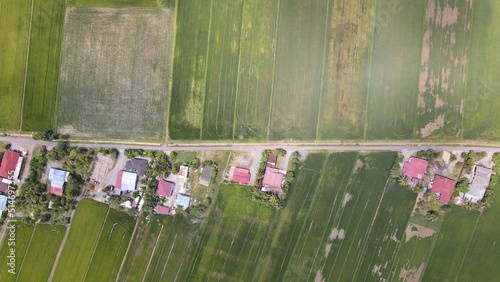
42	252
39	110
22	240
83	236
15	21
123	3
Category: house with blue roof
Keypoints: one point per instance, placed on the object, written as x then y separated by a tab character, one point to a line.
183	201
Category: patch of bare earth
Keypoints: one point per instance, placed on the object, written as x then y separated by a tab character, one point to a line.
319	276
412	274
429	128
337	234
415	230
347	198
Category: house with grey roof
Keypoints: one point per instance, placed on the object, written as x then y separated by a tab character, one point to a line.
137	165
479	184
206	175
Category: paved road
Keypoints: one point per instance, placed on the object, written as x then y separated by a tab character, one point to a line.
394	146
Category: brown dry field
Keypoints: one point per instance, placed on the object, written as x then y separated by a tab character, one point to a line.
115	73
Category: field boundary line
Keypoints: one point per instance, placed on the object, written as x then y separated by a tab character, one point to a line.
96	243
26	67
59	64
168	258
306	216
128	247
61	247
322	83
420	69
466	84
25	252
239	67
152	254
275	51
468	245
206	67
367	102
171	74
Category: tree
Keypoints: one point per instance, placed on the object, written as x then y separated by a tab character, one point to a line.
58	152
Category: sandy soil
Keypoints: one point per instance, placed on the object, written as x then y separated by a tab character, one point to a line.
412	274
415	230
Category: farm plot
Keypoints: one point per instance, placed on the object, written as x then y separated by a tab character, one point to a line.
15	21
414	249
367	230
111	248
190	63
162	249
452	245
231	244
42	252
394	73
23	235
287	224
481	114
222	69
443	68
114	74
82	238
258	40
123	3
343	99
482	252
39	111
298	71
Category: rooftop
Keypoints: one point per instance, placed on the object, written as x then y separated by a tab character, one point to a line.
9	164
183	200
3	202
273	179
138	166
241	175
165	188
162	209
480	182
415	167
271	161
126	181
58	177
56	191
444	187
206	175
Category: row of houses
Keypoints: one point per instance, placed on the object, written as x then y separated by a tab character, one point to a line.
415	169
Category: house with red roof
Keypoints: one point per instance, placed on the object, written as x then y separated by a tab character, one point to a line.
162	210
165	188
273	181
443	187
126	181
240	175
57	179
272	159
415	169
11	165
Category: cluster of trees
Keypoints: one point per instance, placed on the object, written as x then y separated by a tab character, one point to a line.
395	171
470	159
33	194
49	135
430	155
159	166
272	199
112	152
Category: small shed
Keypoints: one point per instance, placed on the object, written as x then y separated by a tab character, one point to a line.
3	203
183	200
159	209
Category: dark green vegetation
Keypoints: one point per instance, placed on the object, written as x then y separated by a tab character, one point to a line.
23	236
42	252
115	90
84	234
161	249
111	248
14	20
39	112
481	115
123	3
